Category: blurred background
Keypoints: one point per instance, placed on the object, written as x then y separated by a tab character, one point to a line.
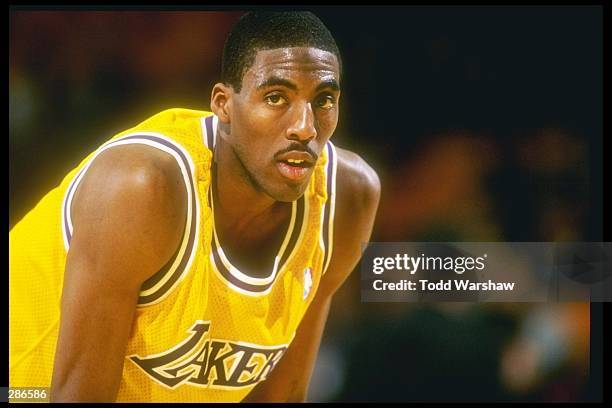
484	124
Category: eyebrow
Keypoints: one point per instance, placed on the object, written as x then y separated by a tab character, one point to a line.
330	83
277	81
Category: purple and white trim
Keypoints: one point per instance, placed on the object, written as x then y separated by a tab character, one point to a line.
250	285
327	230
209	131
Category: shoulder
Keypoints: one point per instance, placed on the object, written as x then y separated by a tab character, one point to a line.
133	170
132	199
358	184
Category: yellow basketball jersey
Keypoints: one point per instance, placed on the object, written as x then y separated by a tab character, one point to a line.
204	330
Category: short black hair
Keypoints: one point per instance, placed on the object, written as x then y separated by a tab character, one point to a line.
257	31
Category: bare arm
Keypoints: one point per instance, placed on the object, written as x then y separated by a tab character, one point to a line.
128	215
357	200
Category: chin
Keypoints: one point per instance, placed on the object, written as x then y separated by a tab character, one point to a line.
288	193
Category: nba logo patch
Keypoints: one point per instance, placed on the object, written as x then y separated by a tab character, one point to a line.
307	282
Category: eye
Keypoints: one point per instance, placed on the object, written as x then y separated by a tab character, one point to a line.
275	99
326	102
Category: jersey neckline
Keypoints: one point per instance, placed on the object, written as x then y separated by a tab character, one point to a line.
242	280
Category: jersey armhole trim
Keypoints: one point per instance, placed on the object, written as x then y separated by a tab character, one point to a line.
159	285
327	230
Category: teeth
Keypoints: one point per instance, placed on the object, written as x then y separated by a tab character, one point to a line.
295	161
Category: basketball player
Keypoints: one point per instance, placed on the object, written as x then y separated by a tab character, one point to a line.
193	257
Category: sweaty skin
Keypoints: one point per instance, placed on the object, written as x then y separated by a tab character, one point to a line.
130	208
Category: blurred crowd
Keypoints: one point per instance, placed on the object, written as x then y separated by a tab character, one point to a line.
427	117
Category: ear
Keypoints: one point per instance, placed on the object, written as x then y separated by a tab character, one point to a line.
221	101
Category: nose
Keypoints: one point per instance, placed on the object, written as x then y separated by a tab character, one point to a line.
302	128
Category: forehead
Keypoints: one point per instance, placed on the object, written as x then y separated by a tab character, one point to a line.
308	62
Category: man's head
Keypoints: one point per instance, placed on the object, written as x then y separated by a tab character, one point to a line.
264	31
278	102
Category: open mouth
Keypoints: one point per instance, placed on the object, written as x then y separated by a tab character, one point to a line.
293	169
294	165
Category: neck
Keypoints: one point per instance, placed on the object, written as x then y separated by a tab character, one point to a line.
239	204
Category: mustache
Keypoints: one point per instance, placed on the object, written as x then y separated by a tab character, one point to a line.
297	147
